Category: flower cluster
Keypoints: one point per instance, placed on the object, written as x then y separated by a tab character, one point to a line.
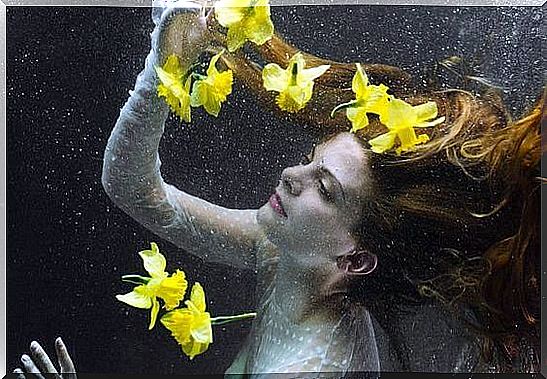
191	326
249	20
294	84
399	117
246	20
159	285
175	87
209	91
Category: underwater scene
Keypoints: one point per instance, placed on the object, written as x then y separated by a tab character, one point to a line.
236	187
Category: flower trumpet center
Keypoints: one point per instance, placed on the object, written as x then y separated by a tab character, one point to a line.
293	80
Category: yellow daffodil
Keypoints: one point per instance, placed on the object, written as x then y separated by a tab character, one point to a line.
368	99
401	118
172	88
170	289
211	90
191	326
245	20
294	84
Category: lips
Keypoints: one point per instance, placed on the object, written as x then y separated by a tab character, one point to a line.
275	203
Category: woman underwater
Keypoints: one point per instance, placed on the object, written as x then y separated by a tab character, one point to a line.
366	261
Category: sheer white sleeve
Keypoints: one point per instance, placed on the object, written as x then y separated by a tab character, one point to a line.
132	178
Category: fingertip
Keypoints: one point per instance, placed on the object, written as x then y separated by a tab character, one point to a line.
34	345
20	373
60	346
25	358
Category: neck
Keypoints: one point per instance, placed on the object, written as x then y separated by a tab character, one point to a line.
303	293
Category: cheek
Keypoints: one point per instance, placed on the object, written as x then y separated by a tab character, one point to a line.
313	216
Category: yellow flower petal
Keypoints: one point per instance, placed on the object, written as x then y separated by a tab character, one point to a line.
245	20
223	84
301	94
179	323
154	261
193	348
168	80
368	99
212	69
425	112
288	103
383	142
203	95
407	137
235	37
274	78
358	117
294	84
191	326
197	297
136	298
176	95
260	28
229	12
201	328
399	115
154	313
213	90
359	84
171	71
310	74
377	100
438	121
172	290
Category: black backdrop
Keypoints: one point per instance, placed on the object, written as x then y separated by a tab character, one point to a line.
69	72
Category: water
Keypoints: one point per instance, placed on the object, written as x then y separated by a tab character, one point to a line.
69	72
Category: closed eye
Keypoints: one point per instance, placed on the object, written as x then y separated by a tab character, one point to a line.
335	188
325	193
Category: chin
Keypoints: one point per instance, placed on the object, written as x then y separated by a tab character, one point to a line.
270	223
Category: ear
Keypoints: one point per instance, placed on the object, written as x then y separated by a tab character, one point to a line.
357	262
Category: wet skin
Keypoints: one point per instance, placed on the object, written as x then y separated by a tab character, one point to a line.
322	200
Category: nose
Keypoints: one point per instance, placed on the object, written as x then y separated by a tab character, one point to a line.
291	181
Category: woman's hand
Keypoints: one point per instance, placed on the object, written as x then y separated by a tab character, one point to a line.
41	364
181	29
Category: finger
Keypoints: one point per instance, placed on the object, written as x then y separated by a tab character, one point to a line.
65	362
30	367
19	373
42	359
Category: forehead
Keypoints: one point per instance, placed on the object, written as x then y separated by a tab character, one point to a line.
344	156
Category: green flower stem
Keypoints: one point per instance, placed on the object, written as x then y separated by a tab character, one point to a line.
136	279
198	76
351	104
189	72
221	320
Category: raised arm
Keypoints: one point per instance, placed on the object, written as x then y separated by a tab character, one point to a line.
131	171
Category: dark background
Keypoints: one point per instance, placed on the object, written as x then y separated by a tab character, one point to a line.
69	72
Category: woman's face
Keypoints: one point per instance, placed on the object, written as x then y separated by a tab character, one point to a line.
318	203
